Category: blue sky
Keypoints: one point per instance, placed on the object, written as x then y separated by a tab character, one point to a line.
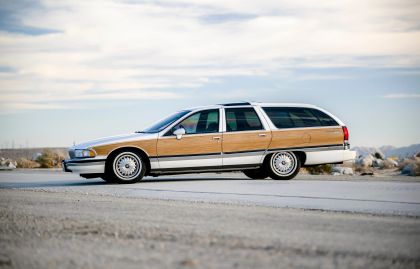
76	70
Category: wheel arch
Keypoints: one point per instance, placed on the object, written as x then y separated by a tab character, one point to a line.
300	154
137	150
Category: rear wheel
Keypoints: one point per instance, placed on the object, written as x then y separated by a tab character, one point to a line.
259	173
125	167
108	179
283	165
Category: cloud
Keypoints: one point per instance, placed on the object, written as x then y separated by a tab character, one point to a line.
402	96
55	51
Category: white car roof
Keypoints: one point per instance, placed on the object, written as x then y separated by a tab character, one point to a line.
252	104
241	104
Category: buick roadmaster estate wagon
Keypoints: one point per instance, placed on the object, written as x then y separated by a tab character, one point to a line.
261	139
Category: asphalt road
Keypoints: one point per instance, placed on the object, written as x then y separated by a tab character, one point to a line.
350	194
55	220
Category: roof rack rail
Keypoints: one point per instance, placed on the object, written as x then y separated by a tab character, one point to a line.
236	104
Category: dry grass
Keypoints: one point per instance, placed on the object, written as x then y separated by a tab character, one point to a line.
50	159
410	166
319	169
25	163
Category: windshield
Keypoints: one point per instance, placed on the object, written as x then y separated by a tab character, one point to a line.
162	124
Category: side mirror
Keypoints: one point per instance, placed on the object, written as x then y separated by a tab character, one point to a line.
179	133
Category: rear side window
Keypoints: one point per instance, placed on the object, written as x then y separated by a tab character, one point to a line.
297	117
324	118
242	119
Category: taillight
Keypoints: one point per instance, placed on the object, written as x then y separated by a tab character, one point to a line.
346	133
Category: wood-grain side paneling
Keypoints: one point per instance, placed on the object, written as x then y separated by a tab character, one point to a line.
189	144
148	146
306	137
246	141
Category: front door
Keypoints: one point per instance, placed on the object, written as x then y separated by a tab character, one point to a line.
245	140
200	147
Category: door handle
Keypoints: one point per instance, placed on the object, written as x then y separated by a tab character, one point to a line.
262	135
216	137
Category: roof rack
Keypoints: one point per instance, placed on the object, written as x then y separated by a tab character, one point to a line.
236	104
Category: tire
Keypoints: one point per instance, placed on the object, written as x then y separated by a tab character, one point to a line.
260	173
283	165
125	167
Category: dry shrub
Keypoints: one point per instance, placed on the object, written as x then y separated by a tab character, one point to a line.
25	163
319	169
410	166
50	159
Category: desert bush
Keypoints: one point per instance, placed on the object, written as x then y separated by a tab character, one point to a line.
410	166
25	163
50	159
319	169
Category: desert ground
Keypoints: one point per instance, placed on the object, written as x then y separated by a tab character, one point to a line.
49	219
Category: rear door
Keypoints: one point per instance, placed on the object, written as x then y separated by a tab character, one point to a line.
245	138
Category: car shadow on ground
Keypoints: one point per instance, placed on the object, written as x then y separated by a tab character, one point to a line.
98	182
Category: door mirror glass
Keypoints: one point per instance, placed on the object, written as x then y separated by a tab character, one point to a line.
179	133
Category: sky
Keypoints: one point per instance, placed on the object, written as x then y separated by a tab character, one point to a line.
72	71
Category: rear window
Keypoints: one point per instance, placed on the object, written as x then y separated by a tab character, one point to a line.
298	117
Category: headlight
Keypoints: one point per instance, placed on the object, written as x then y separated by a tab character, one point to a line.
84	153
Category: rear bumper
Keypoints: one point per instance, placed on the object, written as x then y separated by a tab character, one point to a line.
84	166
329	156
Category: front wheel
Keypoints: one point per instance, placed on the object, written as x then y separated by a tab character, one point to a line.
283	165
125	167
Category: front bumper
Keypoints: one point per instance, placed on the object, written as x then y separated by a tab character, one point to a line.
84	166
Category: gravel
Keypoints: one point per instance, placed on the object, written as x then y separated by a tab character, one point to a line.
44	229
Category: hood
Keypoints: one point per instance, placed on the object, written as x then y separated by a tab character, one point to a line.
114	139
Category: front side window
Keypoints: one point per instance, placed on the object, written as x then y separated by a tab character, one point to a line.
242	119
202	122
298	117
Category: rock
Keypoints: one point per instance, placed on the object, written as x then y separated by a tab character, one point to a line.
366	161
2	161
342	171
389	163
378	163
11	165
36	156
411	169
379	155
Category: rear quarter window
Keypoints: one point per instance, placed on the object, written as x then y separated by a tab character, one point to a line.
298	117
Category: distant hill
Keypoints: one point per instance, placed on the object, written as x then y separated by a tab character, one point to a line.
389	151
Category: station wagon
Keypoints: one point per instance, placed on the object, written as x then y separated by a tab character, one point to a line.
260	139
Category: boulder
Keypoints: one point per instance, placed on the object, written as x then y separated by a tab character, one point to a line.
338	170
378	163
365	161
379	155
411	169
389	163
11	165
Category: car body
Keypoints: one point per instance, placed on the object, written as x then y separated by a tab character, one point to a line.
260	139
